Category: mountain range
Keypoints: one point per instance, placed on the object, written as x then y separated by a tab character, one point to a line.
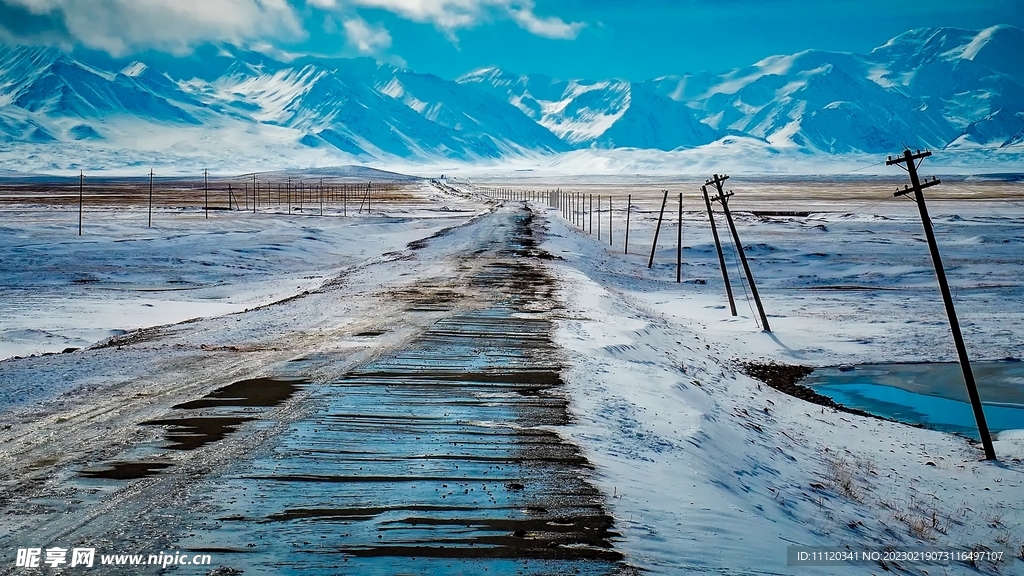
941	88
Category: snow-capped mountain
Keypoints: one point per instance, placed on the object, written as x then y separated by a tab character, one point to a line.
356	107
937	88
608	114
930	87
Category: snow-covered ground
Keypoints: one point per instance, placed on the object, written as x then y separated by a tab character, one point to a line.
63	291
711	470
704	469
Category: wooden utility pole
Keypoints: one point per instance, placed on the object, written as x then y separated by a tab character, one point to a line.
657	229
723	198
206	188
917	188
366	199
679	243
81	186
718	247
150	198
629	208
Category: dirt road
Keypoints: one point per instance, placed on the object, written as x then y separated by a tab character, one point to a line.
403	419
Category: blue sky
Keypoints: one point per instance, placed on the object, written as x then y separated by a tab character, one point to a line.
633	40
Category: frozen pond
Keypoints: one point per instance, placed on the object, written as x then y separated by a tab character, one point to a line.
931	394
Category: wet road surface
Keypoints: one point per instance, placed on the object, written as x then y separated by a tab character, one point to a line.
438	457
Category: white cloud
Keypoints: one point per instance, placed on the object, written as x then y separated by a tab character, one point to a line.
121	26
365	38
550	27
451	15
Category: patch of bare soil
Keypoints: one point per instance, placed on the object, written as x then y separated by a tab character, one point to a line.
786	377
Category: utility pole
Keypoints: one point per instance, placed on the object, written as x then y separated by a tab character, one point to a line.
206	188
917	188
629	208
657	230
366	199
150	197
679	243
81	185
723	198
718	246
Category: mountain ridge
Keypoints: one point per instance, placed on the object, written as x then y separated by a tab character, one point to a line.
937	88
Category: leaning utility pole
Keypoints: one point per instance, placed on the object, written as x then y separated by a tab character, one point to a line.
657	229
718	246
917	187
723	198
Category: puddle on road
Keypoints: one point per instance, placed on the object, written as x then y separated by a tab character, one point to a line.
435	459
255	392
126	470
223	411
929	394
192	433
